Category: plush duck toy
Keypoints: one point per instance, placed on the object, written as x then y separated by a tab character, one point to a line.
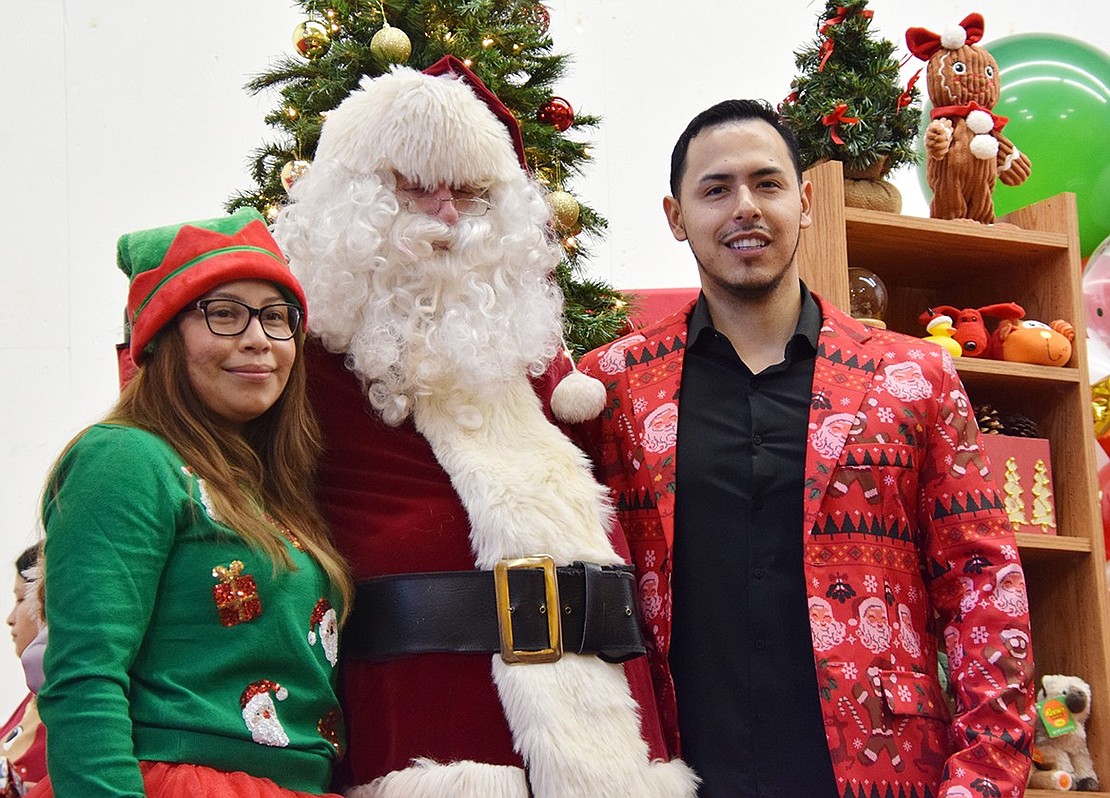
943	333
965	151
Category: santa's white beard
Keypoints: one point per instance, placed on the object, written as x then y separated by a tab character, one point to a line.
1011	602
827	634
876	637
910	640
433	320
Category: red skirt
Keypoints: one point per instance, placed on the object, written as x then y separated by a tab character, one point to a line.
174	780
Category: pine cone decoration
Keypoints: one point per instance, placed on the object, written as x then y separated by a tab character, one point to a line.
988	419
1019	426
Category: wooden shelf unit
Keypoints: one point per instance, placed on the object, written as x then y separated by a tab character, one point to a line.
1034	261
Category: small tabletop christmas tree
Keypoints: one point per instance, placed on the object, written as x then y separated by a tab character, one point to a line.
508	47
847	104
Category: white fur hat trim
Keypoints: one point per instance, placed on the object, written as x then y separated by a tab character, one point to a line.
431	130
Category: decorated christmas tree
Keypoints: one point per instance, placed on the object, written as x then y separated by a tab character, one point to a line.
847	103
1014	503
506	43
1044	514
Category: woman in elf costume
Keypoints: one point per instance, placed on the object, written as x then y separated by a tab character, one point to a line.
192	591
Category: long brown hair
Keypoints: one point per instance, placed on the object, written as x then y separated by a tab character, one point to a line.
259	477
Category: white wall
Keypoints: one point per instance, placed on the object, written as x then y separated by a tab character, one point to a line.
124	114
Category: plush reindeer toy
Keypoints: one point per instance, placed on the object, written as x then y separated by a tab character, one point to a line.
965	151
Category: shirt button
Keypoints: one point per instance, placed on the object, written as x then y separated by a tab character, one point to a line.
757	439
757	572
760	645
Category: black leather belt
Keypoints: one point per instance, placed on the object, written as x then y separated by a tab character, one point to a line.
506	610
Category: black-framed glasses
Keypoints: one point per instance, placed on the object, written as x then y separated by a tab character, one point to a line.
231	317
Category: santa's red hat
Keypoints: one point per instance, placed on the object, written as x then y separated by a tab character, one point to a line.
318	613
262	688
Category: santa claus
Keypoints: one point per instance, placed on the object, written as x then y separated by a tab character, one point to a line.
472	524
826	630
1009	591
874	627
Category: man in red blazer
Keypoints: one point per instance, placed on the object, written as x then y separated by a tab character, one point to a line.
806	512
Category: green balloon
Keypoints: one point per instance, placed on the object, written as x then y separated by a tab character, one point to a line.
1056	93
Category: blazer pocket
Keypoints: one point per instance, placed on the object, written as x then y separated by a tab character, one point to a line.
910	693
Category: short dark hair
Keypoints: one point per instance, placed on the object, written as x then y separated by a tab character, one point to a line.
28	558
723	113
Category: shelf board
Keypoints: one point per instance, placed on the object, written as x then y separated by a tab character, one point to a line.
908	248
1028	542
1018	372
898	234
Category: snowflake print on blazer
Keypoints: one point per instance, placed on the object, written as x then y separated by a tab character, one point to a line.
901	521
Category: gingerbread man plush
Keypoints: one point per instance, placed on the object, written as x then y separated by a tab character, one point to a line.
965	151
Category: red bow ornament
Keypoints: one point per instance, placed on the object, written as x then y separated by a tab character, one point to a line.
838	117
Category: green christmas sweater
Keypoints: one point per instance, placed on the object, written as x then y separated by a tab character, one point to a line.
171	639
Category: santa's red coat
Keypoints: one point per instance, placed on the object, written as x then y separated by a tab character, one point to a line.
392	510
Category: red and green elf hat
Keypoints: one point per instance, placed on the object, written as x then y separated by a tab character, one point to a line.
171	266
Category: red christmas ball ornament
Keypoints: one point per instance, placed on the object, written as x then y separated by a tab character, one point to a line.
557	112
537	15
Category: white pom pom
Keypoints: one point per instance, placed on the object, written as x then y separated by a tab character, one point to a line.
577	398
985	147
980	122
953	37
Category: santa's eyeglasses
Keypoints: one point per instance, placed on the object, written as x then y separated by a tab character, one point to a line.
466	204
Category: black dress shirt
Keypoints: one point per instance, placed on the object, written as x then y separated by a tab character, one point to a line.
741	651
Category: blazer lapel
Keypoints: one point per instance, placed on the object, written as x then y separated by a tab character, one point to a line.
843	373
654	377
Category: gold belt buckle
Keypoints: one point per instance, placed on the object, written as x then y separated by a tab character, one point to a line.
554	651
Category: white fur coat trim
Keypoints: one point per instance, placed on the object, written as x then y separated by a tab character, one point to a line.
528	490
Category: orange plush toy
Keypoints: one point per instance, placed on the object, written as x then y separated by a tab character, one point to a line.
1029	341
965	151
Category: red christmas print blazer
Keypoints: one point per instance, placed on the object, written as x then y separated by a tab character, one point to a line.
907	544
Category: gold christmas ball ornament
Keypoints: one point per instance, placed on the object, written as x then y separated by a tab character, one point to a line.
311	38
565	208
293	171
391	45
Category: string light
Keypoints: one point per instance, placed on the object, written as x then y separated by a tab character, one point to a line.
291	112
487	42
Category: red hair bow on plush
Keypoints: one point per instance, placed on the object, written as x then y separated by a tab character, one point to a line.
923	43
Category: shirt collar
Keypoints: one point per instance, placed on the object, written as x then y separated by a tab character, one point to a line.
806	330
